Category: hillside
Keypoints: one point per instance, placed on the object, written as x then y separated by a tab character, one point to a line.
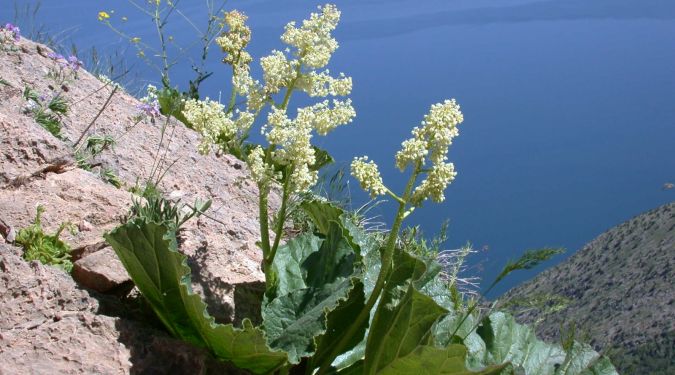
51	322
620	287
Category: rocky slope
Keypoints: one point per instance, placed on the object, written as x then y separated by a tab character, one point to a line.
51	323
621	288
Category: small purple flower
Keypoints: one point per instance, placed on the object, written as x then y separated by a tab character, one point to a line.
55	56
74	63
14	30
150	110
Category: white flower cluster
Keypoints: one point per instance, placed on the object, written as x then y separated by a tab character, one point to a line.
235	40
313	48
322	84
434	185
109	82
293	137
432	139
278	72
368	175
245	85
261	172
289	138
324	119
208	117
434	136
313	39
151	96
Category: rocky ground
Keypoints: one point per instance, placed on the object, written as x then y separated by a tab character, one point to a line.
621	292
51	322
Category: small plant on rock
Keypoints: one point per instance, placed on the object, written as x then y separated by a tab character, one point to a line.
48	112
65	70
10	35
47	248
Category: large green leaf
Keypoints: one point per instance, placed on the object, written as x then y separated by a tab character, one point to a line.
403	318
473	343
315	282
148	252
507	341
293	321
354	350
369	248
583	360
322	214
430	360
288	261
337	324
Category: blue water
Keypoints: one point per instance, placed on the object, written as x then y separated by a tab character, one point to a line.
569	104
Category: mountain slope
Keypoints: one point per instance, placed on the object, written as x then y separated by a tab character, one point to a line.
621	288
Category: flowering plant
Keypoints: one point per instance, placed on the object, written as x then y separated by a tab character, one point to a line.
10	35
289	159
338	299
66	68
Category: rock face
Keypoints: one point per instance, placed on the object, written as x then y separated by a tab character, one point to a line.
621	291
50	325
47	318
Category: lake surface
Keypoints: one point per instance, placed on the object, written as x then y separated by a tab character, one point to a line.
569	104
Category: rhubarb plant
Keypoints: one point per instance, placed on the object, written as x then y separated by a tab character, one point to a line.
338	299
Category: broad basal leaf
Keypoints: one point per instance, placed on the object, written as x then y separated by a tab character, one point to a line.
508	341
369	247
315	284
288	261
430	360
581	359
338	322
148	252
466	335
403	317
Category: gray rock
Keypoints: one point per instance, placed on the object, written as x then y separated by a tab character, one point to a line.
101	271
49	325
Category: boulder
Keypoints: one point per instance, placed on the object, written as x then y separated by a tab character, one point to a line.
101	271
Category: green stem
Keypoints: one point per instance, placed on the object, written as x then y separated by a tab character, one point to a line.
289	90
396	197
155	160
264	221
387	258
233	97
280	220
165	59
468	313
268	251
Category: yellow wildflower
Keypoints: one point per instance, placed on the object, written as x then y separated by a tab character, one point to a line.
103	15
